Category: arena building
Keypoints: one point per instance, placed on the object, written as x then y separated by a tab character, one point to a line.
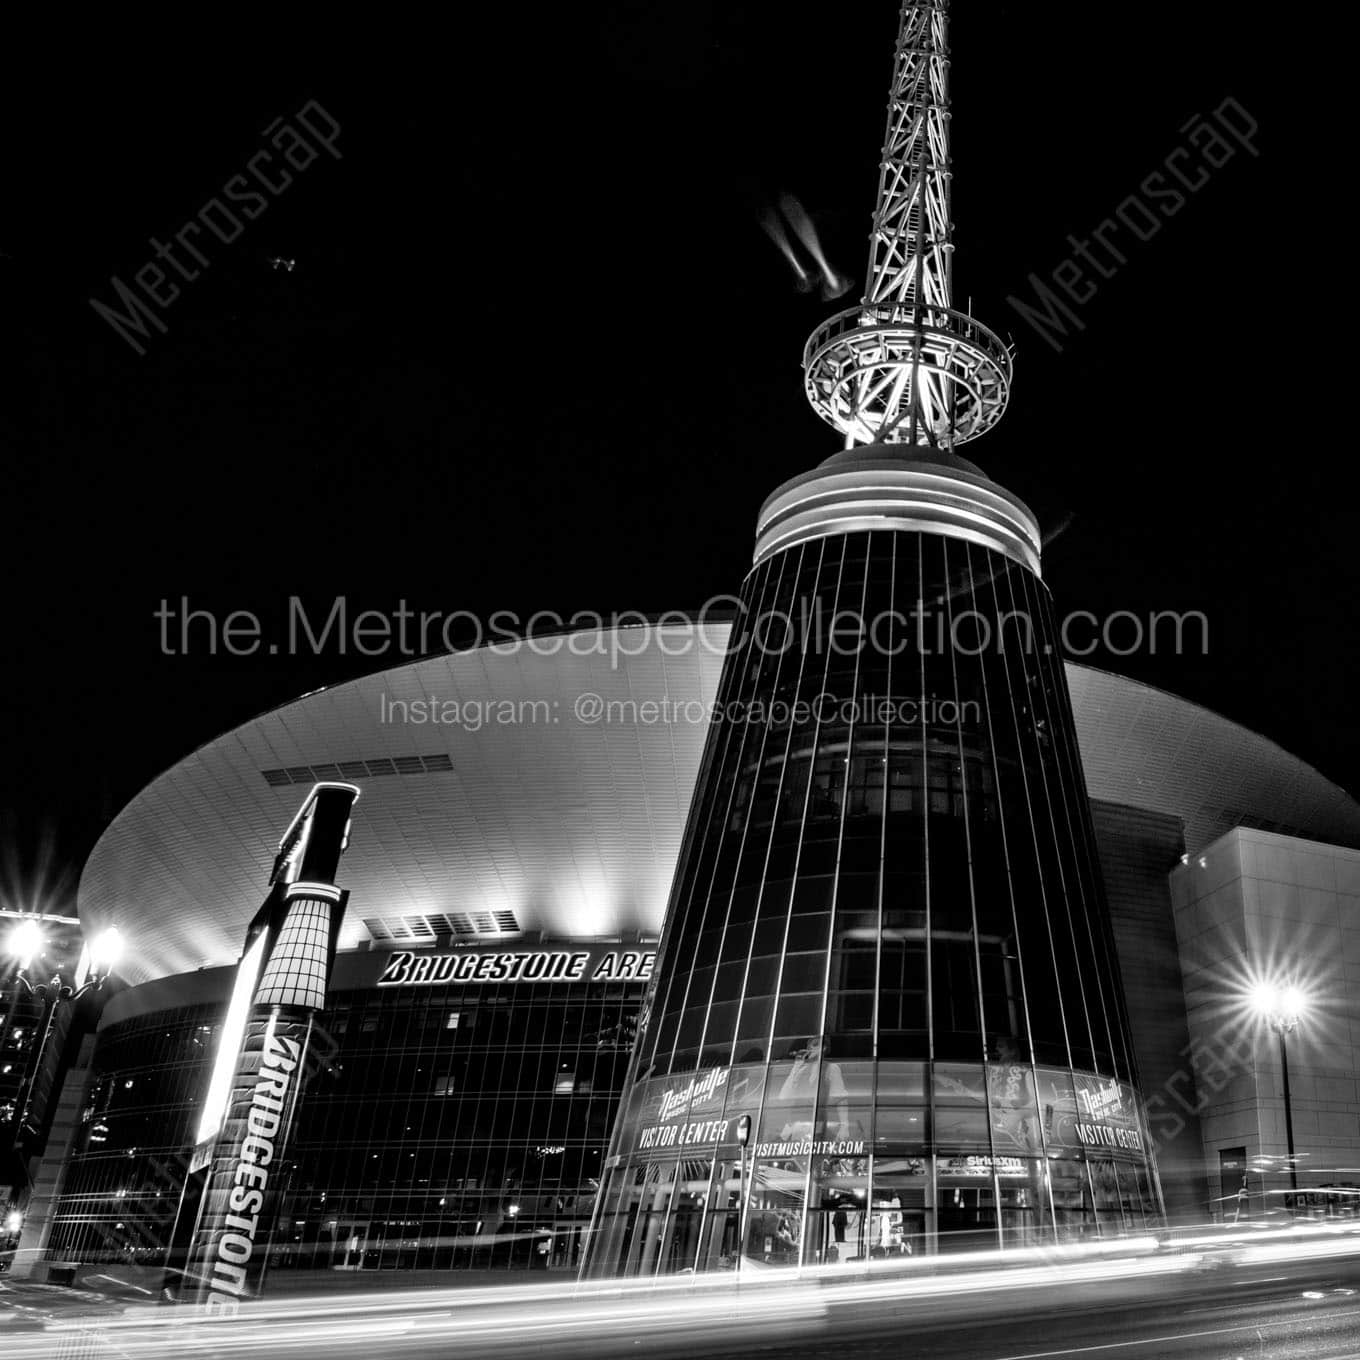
509	868
668	950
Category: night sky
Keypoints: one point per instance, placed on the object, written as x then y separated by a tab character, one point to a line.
535	352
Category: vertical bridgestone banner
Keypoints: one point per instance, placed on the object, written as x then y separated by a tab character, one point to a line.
249	1167
239	1169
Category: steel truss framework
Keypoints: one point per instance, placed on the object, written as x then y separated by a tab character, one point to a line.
904	366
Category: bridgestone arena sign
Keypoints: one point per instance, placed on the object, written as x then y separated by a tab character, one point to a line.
233	1265
405	969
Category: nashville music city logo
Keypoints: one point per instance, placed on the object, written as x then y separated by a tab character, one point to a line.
1105	1102
680	1102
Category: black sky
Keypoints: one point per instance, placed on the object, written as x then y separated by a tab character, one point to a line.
535	352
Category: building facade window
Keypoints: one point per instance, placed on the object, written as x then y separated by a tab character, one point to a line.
887	941
420	1144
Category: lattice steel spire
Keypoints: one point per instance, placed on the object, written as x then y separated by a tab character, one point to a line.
905	367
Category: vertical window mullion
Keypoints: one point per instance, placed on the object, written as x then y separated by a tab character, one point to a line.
764	741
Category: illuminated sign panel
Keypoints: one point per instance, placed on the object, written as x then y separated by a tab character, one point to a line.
1098	1099
231	1196
1106	1135
685	1135
693	1111
697	1092
229	1042
983	1166
241	1201
809	1147
471	968
1088	1112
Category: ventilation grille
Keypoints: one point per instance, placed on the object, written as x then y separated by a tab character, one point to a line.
358	769
1237	817
429	927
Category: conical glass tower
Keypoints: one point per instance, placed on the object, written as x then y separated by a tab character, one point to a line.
887	1016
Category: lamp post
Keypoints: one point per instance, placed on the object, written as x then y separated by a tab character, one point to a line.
25	943
22	944
1282	1007
743	1137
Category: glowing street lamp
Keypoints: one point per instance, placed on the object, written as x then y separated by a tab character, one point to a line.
25	942
743	1138
106	952
1282	1007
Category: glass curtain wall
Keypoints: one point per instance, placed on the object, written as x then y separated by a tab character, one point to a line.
887	944
440	1128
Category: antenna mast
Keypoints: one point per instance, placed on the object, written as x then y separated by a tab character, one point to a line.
904	367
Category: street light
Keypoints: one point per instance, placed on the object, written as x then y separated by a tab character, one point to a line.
26	942
106	951
1282	1007
743	1137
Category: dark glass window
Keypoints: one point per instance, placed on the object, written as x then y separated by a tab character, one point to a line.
908	866
442	1129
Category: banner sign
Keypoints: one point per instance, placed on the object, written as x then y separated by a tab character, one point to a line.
695	1095
813	1147
472	968
231	1197
983	1166
241	1200
697	1108
1108	1135
674	1101
1098	1099
1089	1112
685	1135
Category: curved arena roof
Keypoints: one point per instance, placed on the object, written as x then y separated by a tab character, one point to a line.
515	811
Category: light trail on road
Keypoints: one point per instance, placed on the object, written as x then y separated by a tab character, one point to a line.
699	1315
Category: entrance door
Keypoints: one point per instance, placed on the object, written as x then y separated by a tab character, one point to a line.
1232	1176
350	1243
